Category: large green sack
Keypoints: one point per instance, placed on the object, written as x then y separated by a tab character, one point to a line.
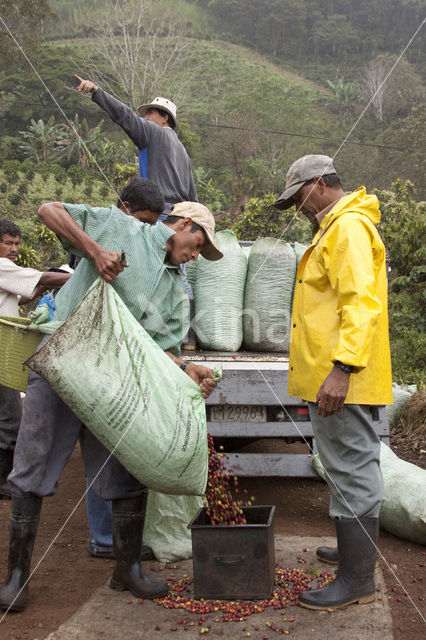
219	294
403	509
299	250
127	391
400	393
166	525
268	295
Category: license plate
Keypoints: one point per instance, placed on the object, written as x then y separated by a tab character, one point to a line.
239	413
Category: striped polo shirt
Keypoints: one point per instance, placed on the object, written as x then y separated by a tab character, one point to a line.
151	288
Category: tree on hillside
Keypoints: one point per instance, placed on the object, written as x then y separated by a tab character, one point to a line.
24	19
261	219
334	36
336	28
409	132
392	90
235	148
403	228
23	96
140	46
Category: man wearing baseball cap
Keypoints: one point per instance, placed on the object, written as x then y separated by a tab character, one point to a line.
162	157
152	289
340	364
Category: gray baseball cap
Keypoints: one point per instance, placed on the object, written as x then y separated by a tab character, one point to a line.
301	171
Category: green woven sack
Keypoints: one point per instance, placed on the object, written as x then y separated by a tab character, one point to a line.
127	391
166	525
268	295
219	294
299	250
403	509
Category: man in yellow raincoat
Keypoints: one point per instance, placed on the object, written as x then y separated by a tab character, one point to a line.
340	364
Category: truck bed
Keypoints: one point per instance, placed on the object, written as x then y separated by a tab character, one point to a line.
252	379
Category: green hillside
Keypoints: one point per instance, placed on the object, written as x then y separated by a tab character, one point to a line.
247	109
258	83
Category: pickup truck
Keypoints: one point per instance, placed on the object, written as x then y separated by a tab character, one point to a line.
252	404
251	409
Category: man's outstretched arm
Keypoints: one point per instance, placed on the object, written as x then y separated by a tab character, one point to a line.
134	126
57	218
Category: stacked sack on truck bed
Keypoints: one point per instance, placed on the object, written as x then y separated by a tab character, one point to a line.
219	294
268	295
245	299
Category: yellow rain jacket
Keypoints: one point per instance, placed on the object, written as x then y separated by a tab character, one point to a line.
340	305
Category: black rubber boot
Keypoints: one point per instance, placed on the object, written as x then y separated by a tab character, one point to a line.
128	517
331	555
24	517
357	543
328	554
146	552
6	464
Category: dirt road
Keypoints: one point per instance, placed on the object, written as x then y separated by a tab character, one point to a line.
67	576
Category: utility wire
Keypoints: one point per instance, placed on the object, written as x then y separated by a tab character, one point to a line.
305	135
291	134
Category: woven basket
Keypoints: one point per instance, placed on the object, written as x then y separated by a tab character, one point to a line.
17	343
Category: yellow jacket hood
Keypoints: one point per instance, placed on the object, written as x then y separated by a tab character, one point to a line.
359	202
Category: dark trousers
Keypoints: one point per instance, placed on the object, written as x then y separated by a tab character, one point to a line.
10	416
47	436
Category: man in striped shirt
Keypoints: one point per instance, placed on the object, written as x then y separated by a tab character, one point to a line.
153	291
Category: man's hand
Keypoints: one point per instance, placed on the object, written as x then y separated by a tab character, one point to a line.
108	264
203	376
332	393
86	86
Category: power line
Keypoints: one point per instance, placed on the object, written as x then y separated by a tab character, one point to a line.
291	134
305	135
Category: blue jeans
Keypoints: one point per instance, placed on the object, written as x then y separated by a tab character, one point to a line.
99	519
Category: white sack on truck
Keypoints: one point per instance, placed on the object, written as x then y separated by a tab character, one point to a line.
268	295
219	295
127	391
299	250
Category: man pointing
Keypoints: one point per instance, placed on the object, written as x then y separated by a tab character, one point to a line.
162	157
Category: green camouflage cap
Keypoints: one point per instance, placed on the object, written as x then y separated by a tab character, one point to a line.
301	171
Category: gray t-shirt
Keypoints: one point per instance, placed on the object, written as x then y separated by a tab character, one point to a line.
169	165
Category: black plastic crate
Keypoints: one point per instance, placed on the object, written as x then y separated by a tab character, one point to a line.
233	562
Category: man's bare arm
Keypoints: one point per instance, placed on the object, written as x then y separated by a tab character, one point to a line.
48	280
57	218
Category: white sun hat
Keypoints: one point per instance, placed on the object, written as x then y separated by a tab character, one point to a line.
160	103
